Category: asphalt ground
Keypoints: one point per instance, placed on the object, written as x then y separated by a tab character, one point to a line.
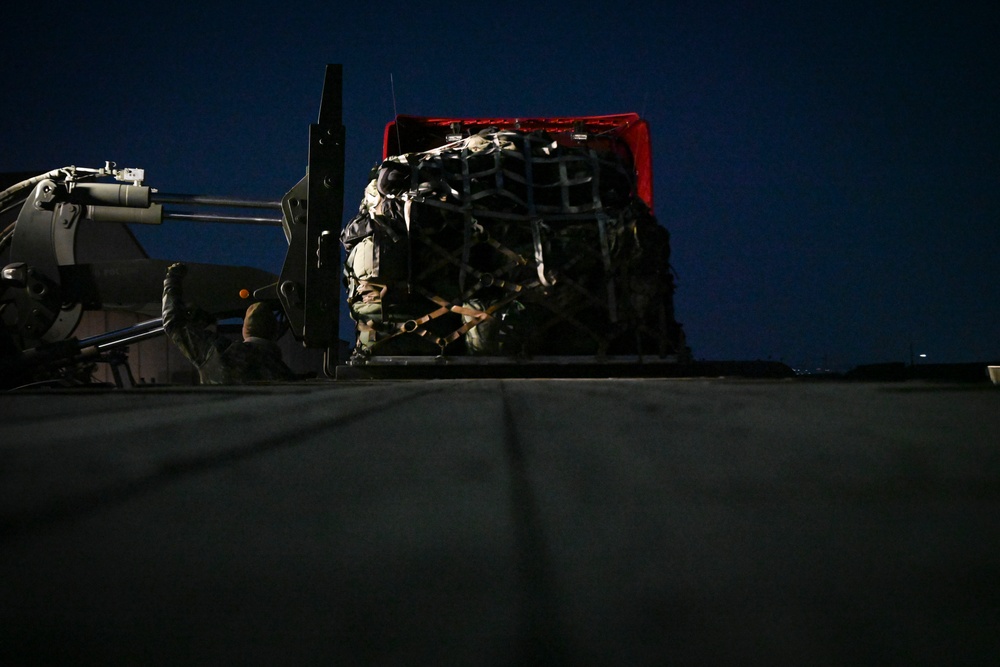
502	522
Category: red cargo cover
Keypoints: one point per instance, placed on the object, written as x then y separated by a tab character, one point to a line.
414	134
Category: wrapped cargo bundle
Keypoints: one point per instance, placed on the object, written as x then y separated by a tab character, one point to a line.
510	243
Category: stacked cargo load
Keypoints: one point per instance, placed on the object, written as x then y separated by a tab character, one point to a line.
511	239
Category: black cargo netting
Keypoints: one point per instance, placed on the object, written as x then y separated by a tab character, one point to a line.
510	244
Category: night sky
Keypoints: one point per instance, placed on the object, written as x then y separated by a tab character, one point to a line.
830	178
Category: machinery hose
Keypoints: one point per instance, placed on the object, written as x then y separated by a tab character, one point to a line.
13	191
6	235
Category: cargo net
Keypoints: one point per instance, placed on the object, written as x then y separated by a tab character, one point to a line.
510	244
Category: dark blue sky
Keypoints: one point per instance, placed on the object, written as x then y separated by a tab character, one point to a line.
830	178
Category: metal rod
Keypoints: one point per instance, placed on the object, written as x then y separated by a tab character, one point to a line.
231	219
135	338
100	339
205	200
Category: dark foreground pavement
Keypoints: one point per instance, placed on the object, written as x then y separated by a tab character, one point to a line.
503	522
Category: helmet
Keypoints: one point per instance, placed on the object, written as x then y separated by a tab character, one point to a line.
260	322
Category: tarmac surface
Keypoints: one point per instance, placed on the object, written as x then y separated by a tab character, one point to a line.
503	522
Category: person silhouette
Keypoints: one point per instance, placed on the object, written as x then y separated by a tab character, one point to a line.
220	360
